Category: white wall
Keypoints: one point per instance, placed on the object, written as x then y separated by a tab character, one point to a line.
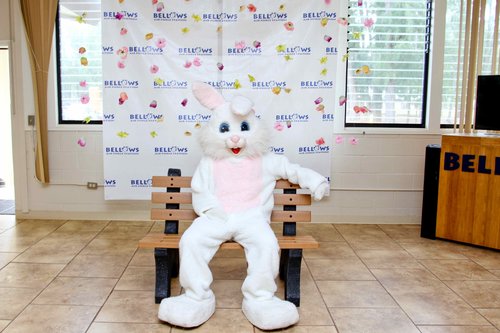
379	180
4	20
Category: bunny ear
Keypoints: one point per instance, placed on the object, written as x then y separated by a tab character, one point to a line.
207	95
241	105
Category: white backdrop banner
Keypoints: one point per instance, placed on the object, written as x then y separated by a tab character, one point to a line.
282	56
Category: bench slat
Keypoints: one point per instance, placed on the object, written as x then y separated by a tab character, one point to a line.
172	242
168	181
186	198
189	214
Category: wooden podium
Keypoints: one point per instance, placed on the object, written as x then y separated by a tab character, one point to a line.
469	190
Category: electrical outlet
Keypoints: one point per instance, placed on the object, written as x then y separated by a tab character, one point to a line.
92	185
31	120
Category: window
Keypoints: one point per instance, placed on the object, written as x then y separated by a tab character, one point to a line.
78	41
387	63
454	50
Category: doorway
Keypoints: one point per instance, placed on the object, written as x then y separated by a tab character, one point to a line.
7	196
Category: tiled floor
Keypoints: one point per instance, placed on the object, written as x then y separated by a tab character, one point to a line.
89	276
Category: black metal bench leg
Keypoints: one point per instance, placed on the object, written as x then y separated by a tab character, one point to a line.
292	277
283	261
164	269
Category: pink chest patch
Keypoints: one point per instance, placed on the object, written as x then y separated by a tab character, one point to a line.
238	185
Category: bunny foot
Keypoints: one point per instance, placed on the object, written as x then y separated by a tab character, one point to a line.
270	314
186	312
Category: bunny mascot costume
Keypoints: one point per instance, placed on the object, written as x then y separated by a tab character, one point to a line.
233	197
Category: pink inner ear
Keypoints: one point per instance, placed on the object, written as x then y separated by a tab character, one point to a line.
207	95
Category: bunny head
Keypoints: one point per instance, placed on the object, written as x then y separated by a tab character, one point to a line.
233	129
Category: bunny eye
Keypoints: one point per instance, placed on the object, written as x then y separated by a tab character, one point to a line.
245	126
224	127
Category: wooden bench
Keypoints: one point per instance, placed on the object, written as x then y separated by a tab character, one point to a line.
177	207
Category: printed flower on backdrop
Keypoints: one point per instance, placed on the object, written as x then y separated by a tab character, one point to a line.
289	26
368	22
237	84
288	57
320	108
320	141
185	30
219	29
360	3
122	134
154	69
82	50
188	133
323	60
339	139
323	21
118	16
153	104
342	21
360	109
240	44
323	72
327	38
365	69
159	81
81	142
276	90
154	2
288	90
197	125
87	120
278	126
256	44
123	31
188	64
318	100
196	17
327	2
353	141
84	61
122	52
342	100
220	66
288	124
184	102
252	8
153	134
242	8
251	78
281	8
148	36
123	97
83	84
121	64
161	42
85	99
121	1
281	48
160	6
357	34
344	57
197	62
81	18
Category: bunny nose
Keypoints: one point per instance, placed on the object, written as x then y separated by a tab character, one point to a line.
235	138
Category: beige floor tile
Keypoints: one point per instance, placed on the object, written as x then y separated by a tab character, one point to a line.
384	243
3	324
495	272
361	294
223	321
6	257
143	257
479	294
110	247
14	300
405	279
354	231
82	225
137	278
76	291
402	232
21	275
239	253
228	268
457	329
457	270
489	259
493	316
128	328
306	329
144	223
96	266
119	231
322	232
53	318
338	269
397	258
53	250
434	249
330	250
11	242
129	307
354	320
228	293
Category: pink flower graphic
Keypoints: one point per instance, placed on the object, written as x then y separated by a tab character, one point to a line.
81	142
121	64
153	104
240	45
327	38
220	66
368	22
320	141
197	62
289	26
84	99
353	141
161	42
278	126
154	69
342	100
339	139
187	64
184	102
118	16
83	83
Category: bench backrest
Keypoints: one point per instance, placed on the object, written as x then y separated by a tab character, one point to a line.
177	199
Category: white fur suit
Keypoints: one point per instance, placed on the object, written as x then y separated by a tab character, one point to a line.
233	196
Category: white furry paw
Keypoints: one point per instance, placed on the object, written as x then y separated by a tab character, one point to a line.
186	312
322	190
270	314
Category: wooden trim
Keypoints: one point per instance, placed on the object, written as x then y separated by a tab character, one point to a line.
186	198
